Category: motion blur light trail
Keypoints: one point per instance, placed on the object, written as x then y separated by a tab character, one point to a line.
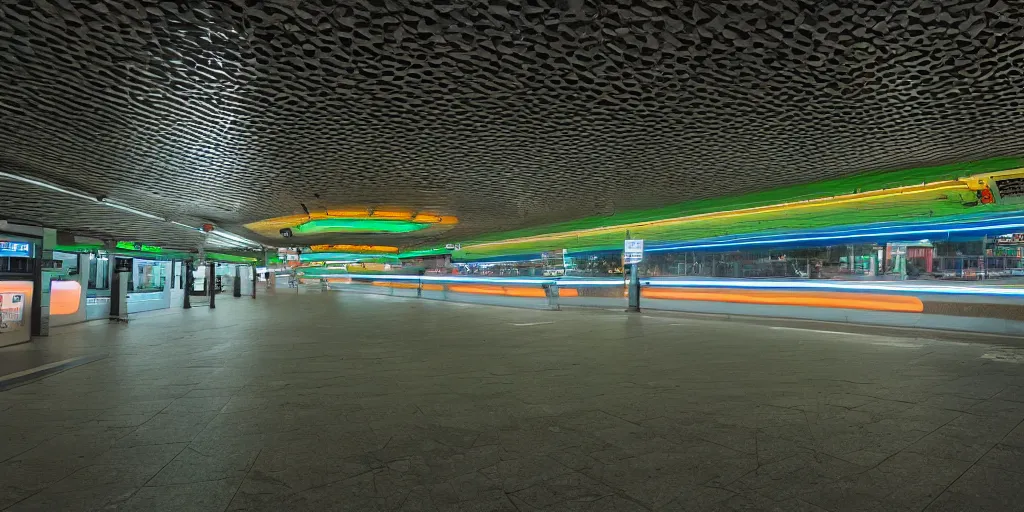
866	301
903	287
949	195
357	221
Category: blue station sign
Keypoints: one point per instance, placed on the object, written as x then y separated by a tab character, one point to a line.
15	249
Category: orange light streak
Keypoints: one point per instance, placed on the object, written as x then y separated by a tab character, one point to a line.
864	301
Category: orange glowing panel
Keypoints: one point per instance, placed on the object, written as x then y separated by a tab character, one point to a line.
387	284
435	219
845	300
427	287
508	291
375	249
23	287
348	214
393	215
65	297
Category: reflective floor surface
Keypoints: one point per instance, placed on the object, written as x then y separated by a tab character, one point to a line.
350	402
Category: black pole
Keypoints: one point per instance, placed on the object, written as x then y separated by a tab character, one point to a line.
188	284
254	280
36	328
211	283
236	286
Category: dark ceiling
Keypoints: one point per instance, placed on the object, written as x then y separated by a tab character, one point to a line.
506	114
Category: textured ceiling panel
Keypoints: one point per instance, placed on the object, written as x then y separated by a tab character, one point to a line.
26	204
506	114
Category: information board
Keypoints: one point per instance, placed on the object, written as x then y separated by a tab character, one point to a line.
10	249
634	251
12	311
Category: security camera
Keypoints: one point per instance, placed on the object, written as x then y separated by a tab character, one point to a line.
286	232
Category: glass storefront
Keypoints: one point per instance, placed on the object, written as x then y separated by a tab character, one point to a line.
148	276
148	287
18	282
69	262
99	271
66	282
199	275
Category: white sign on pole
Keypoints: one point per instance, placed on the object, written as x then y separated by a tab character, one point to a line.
634	251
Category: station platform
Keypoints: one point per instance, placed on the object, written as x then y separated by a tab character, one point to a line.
335	401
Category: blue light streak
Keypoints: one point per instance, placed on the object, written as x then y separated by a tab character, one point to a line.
874	233
758	284
749	284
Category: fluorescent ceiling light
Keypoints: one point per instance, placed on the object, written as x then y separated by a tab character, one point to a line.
224	242
186	226
235	238
46	185
129	209
227	239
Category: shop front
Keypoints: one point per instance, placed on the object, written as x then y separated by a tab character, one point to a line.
148	285
66	279
225	278
19	288
234	278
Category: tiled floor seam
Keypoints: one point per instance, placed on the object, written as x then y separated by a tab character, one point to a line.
18	379
975	463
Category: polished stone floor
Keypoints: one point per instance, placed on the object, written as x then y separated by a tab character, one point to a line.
346	402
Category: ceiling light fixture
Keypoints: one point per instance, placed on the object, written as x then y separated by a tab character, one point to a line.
350	221
186	226
47	185
335	225
382	249
129	209
236	241
235	238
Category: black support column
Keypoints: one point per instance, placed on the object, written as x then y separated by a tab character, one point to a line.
236	286
634	288
187	270
211	283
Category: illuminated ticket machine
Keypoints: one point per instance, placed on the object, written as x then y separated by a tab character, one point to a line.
17	286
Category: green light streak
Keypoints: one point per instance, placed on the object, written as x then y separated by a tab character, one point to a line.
437	251
228	258
314	272
135	246
346	256
79	248
910	209
317	226
864	182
